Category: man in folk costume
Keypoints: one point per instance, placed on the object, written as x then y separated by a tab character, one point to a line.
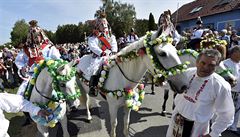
233	63
196	35
132	36
12	103
207	94
102	43
36	48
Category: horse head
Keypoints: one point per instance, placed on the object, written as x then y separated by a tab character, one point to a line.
66	83
179	84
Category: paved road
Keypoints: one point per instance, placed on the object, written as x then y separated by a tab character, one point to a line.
147	122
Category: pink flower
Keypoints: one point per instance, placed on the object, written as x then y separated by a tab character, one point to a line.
141	52
141	86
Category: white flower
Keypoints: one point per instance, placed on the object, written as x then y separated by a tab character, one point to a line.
138	103
113	63
103	73
178	71
170	73
110	94
185	66
99	84
119	93
159	75
101	79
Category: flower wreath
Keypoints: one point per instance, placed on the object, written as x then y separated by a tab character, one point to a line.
52	66
195	55
53	106
213	42
149	44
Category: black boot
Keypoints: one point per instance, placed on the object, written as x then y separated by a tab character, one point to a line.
28	120
93	86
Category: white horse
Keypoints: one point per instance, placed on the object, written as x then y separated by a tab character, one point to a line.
191	56
54	85
127	68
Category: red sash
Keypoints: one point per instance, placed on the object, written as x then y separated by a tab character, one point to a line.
39	56
105	43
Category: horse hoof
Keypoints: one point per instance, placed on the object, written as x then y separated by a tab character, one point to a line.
163	113
89	120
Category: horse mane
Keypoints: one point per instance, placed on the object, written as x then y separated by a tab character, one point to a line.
135	45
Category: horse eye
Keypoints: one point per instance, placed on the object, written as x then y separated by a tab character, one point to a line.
62	85
162	54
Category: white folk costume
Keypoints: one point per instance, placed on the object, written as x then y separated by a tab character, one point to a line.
205	97
13	103
38	47
99	43
235	68
131	38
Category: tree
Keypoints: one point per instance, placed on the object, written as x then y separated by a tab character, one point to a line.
121	17
69	33
50	35
19	32
141	27
151	24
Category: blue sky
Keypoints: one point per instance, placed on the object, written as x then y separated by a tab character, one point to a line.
51	13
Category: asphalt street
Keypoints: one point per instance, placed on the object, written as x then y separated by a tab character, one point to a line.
147	122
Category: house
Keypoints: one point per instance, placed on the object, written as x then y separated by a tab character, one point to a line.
215	14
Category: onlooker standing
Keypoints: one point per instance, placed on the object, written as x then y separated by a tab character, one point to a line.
233	63
132	36
207	94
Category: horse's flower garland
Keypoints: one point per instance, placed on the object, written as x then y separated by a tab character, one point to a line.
53	107
214	42
52	66
149	44
134	99
195	55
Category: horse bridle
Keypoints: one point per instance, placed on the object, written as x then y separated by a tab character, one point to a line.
54	100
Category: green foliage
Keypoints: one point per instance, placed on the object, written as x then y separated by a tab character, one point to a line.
151	24
121	17
19	32
50	35
69	33
141	27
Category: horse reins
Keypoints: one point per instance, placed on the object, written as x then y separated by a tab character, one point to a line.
129	78
54	100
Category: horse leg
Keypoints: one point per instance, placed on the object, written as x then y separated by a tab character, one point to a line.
113	118
126	120
86	99
166	91
43	130
63	122
152	86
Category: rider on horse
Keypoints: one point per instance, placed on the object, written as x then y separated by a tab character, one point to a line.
102	43
36	48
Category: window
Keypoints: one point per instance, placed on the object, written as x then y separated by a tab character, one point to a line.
196	9
222	2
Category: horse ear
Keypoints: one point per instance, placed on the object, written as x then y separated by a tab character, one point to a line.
73	63
64	69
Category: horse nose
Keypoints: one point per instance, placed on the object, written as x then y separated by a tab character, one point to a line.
232	82
183	89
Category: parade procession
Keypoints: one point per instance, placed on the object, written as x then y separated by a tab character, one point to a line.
107	68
